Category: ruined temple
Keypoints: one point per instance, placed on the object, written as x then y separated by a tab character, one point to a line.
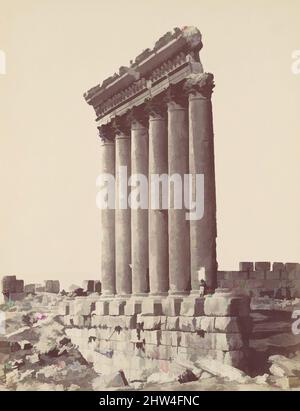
155	117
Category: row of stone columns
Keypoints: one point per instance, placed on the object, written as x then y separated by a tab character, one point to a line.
160	251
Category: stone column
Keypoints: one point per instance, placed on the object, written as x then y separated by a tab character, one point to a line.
139	217
107	219
203	232
178	157
123	214
158	218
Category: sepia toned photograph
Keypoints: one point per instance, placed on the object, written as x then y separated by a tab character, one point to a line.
150	198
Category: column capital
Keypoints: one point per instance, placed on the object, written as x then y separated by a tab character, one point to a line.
106	133
137	117
156	107
121	127
175	98
200	85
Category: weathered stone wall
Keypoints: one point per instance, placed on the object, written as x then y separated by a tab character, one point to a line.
220	330
52	286
91	286
259	279
19	286
12	288
9	284
30	288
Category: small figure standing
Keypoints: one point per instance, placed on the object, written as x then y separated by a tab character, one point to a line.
203	288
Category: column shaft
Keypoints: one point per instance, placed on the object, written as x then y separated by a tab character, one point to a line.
123	217
107	221
203	232
139	217
179	244
158	218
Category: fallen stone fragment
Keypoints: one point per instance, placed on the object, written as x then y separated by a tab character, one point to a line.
187	376
114	380
219	369
284	367
261	379
25	345
277	371
33	359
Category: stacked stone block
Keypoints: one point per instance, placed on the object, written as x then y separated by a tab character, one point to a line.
19	286
258	279
12	288
9	284
30	288
52	286
219	330
91	286
39	288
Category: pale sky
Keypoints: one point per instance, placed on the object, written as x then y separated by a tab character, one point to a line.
49	150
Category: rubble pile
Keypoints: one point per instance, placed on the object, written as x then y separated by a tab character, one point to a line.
38	352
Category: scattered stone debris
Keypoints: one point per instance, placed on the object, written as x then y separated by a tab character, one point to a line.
220	369
286	371
114	380
42	353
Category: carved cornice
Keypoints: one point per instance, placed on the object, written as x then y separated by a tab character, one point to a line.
187	38
141	85
120	98
167	67
202	83
177	50
106	132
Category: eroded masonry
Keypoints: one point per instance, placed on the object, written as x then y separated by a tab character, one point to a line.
159	299
155	117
